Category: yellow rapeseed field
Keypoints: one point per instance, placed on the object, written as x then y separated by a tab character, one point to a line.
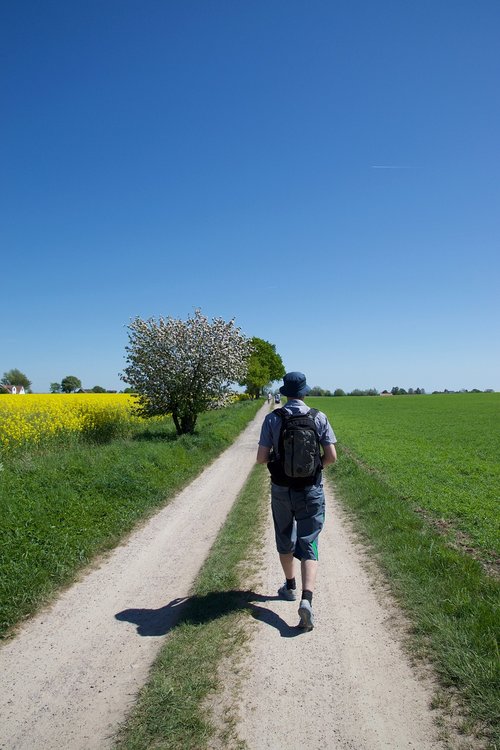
33	418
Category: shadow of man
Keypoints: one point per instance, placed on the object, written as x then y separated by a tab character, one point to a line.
196	610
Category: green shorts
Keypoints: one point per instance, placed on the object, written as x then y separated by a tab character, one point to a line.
299	516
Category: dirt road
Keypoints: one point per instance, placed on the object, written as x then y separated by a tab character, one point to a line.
71	674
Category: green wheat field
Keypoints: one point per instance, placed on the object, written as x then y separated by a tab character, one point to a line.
440	454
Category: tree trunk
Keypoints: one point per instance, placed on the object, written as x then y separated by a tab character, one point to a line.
177	423
188	422
184	423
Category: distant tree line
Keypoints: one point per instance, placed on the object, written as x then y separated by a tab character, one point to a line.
317	391
72	384
265	366
395	391
69	384
464	390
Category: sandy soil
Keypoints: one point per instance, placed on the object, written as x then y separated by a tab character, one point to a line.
347	684
73	671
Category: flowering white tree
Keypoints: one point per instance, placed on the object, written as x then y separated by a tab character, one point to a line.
184	367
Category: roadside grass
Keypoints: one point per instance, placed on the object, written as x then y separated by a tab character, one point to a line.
171	711
62	505
453	605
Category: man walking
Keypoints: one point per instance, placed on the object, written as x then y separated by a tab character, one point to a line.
297	502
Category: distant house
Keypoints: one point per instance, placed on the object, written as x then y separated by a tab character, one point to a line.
14	389
386	393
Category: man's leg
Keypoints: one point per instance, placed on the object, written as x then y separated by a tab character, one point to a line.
288	564
308	570
310	513
285	537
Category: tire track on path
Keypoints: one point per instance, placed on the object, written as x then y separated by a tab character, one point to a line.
73	671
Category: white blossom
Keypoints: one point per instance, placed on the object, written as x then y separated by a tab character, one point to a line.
184	367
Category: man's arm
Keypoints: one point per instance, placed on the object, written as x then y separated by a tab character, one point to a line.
329	454
263	454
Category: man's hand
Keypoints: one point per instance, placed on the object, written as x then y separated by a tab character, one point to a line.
263	454
329	455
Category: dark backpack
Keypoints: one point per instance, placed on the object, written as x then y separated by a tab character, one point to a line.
299	462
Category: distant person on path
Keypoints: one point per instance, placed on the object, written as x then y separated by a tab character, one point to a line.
297	497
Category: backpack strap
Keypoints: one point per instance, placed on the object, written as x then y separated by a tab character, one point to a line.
283	413
312	413
284	416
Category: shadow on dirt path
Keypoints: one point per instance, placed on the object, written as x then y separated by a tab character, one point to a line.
196	610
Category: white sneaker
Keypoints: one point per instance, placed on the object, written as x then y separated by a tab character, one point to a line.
306	615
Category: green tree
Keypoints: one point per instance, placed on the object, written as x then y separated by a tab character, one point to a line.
98	389
318	391
338	392
16	377
70	384
397	391
184	367
55	388
264	367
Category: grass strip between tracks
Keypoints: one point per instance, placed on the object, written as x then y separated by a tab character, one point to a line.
452	603
171	712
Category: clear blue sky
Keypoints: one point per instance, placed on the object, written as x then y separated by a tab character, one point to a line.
325	172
